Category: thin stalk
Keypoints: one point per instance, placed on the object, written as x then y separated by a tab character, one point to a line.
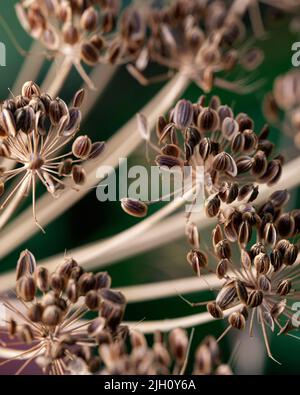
126	244
172	323
61	74
121	145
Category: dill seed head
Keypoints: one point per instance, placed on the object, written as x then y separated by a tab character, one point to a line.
37	148
49	327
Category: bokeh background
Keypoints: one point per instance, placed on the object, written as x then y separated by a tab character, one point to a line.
90	220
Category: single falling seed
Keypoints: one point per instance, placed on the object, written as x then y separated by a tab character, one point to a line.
183	114
134	207
168	161
26	264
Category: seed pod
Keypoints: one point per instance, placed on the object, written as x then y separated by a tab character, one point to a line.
237	143
245	260
42	279
183	114
72	291
86	283
208	120
26	288
9	123
224	112
284	287
52	315
290	255
30	89
169	162
203	361
282	246
222	268
98	41
244	121
197	260
89	19
259	164
229	128
78	98
244	233
205	148
262	263
134	207
89	53
276	259
81	147
257	248
255	299
217	235
35	312
179	342
212	206
26	264
65	268
92	300
214	310
241	291
223	250
11	328
57	282
70	34
57	110
285	225
160	126
102	280
226	296
237	320
270	234
264	283
244	164
78	175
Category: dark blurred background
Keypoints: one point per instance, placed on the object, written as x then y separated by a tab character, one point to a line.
90	220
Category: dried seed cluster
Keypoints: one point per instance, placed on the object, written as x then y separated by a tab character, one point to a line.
197	38
50	326
34	129
235	159
282	106
77	29
256	257
164	357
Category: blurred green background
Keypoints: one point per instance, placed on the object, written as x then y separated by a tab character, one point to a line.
90	220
